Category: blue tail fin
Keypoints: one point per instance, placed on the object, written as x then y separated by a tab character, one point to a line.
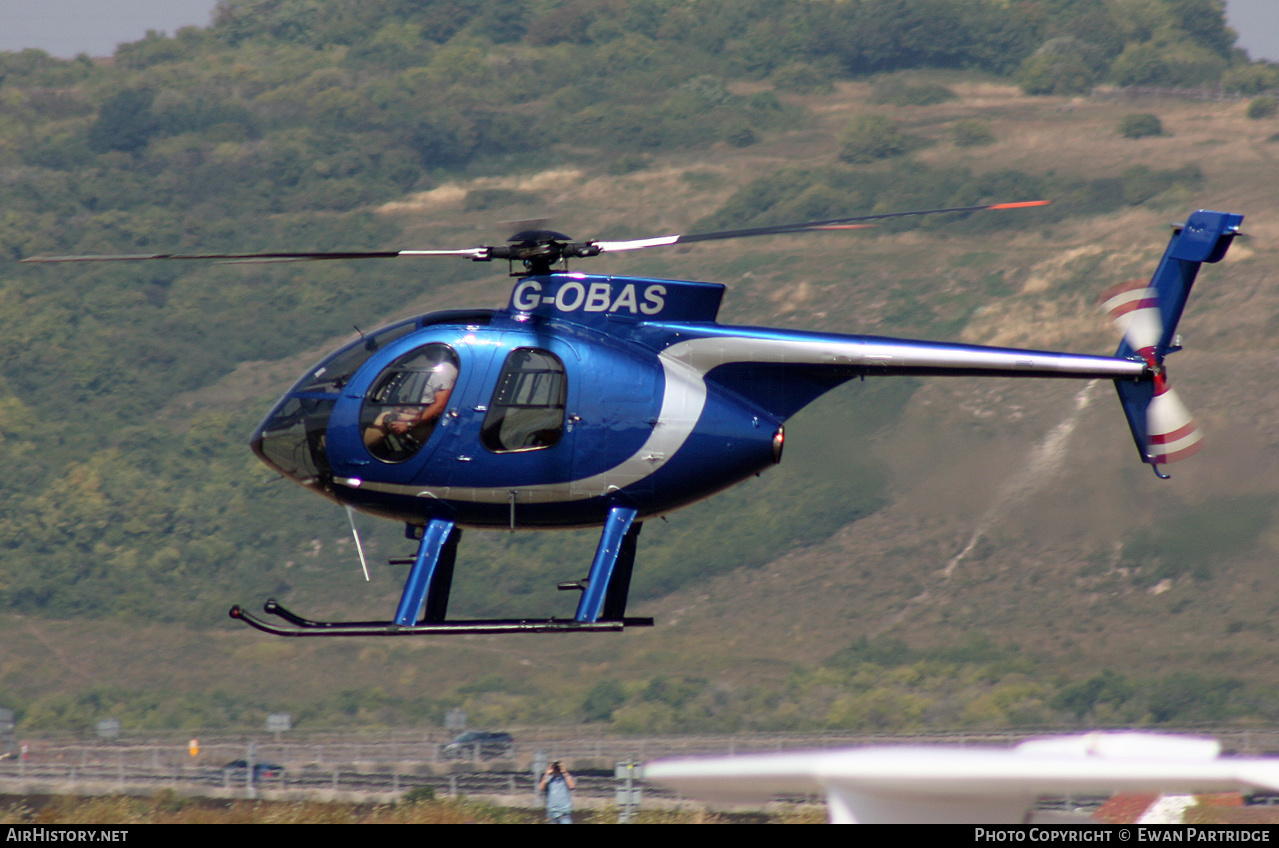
1204	237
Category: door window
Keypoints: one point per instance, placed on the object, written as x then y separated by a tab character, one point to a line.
406	401
527	409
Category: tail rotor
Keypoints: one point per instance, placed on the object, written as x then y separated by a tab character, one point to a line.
1133	307
1172	432
1147	314
1169	431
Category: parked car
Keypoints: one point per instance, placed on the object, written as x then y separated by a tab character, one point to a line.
478	744
236	770
1261	798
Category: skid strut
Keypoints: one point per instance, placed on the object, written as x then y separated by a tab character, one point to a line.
431	577
425	599
605	590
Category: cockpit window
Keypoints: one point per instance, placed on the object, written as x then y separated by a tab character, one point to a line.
291	440
406	401
527	410
334	373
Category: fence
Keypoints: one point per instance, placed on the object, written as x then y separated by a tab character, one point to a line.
381	766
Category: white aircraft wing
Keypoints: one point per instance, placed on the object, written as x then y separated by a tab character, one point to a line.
969	785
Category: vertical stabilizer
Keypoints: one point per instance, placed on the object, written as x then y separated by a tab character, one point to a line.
1148	314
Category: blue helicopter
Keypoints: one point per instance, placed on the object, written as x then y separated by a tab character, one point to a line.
603	401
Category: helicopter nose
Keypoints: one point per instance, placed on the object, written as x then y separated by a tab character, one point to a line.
291	439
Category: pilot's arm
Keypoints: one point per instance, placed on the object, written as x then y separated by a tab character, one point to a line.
403	424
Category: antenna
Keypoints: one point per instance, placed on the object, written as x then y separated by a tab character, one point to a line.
359	548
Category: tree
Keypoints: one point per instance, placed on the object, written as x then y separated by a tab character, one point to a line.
125	122
1060	66
1205	22
1179	62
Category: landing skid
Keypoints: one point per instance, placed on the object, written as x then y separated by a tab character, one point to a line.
422	606
306	627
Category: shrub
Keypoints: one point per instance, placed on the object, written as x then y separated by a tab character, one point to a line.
1251	79
973	133
708	89
803	78
1178	63
481	199
1140	125
1263	107
1140	182
602	700
628	164
738	132
1055	75
418	794
871	138
898	92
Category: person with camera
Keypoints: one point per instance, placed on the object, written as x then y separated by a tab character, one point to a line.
558	785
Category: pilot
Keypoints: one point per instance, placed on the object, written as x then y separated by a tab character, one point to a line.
416	421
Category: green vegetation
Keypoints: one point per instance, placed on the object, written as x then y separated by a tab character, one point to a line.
753	38
1251	79
973	132
1191	541
284	123
215	708
418	794
804	78
1063	65
288	123
897	91
166	808
878	684
797	195
871	138
1262	107
1140	125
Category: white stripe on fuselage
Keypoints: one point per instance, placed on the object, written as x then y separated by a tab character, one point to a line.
685	366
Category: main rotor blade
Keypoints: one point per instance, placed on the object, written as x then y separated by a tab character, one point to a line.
851	223
468	253
543	249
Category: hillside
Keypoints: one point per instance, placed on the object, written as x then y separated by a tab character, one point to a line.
1037	577
310	123
945	552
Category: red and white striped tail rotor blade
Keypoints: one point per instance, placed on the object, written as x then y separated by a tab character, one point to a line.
1172	432
1134	309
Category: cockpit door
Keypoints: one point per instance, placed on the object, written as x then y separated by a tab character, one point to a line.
521	436
399	422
